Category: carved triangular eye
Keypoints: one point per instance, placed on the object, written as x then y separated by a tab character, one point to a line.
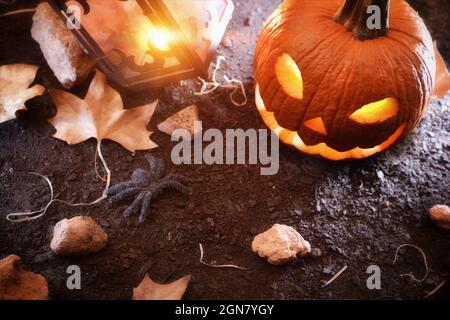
316	125
376	112
289	76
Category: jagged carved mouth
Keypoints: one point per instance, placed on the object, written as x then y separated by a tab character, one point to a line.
321	149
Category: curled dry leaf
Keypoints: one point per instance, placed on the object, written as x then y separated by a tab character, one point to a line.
101	115
184	119
14	92
150	290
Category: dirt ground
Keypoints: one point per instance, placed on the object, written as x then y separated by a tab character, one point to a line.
353	213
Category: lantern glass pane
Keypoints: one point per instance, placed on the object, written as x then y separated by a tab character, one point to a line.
203	22
130	41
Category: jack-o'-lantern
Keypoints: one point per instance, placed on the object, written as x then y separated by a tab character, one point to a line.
331	82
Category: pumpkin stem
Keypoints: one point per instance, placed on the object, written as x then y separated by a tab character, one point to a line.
367	19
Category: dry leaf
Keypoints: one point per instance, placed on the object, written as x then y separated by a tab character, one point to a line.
150	290
442	75
101	115
14	92
183	119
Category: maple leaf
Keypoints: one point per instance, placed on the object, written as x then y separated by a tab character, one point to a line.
150	290
101	116
15	80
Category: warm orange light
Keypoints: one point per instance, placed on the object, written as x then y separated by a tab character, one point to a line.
159	39
316	125
376	112
291	137
289	76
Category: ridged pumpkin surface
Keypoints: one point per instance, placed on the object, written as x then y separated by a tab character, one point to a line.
357	97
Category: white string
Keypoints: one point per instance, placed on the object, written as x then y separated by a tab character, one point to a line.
96	168
424	256
214	265
29	216
213	85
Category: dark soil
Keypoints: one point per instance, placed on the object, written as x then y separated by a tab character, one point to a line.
353	213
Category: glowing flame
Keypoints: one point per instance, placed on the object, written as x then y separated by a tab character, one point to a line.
160	39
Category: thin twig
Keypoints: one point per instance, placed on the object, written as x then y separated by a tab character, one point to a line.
435	289
424	256
337	275
12	13
217	266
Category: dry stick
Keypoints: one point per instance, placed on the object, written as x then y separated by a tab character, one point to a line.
337	275
217	266
12	13
424	256
235	84
7	3
435	289
29	216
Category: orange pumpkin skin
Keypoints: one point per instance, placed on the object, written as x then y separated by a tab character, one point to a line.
340	74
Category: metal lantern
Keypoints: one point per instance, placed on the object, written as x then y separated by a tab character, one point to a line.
148	42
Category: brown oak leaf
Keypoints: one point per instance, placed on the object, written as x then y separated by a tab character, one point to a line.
15	80
150	290
101	115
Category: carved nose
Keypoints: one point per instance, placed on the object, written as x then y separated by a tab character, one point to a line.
316	125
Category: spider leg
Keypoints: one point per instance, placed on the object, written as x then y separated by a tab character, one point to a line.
145	206
176	177
120	186
174	185
141	177
124	194
157	167
134	207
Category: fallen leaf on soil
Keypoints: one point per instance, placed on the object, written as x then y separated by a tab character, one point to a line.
14	92
150	290
184	119
101	116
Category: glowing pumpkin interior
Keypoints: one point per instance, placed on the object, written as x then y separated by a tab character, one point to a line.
289	76
316	125
376	112
371	113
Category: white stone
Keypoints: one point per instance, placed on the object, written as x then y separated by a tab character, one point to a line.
280	244
78	236
440	215
61	49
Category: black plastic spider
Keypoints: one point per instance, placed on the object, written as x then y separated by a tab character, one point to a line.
145	186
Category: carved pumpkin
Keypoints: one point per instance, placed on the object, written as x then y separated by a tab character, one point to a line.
330	86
